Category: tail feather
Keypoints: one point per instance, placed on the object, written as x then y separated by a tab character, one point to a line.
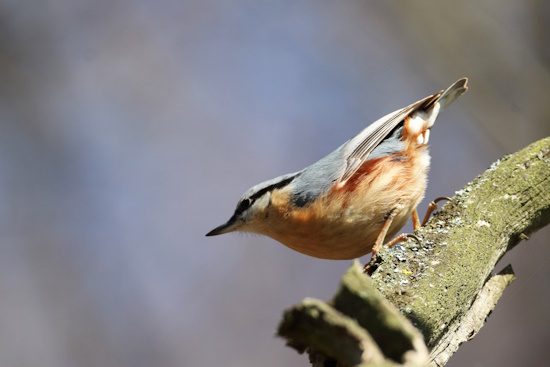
424	117
453	92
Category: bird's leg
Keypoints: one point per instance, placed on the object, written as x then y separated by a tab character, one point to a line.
431	208
380	239
416	220
379	243
370	267
402	237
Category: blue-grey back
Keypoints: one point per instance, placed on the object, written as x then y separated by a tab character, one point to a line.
318	178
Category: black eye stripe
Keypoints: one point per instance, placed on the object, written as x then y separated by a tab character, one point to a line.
243	205
247	203
277	185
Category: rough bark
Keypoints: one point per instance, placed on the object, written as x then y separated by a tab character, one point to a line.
443	287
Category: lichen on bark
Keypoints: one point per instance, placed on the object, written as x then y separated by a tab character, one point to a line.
433	284
444	285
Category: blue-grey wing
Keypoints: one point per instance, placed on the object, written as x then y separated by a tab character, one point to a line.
373	142
358	149
342	163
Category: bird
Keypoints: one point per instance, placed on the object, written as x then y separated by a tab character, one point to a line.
355	199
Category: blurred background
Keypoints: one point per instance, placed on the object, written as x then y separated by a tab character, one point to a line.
129	129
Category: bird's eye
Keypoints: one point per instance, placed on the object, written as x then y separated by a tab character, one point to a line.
243	205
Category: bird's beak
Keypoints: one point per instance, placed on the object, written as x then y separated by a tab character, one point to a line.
231	225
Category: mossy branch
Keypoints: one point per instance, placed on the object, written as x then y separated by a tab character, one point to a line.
443	287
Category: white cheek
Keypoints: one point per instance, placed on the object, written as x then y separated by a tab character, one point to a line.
426	136
262	203
419	139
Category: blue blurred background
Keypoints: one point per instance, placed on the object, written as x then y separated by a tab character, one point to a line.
131	128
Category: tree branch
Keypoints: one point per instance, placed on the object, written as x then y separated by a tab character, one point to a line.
473	319
443	287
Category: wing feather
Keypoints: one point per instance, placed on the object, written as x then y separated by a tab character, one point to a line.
358	149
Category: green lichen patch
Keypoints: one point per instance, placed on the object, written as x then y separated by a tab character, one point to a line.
434	283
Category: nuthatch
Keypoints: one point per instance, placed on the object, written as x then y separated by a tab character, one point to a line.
348	203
